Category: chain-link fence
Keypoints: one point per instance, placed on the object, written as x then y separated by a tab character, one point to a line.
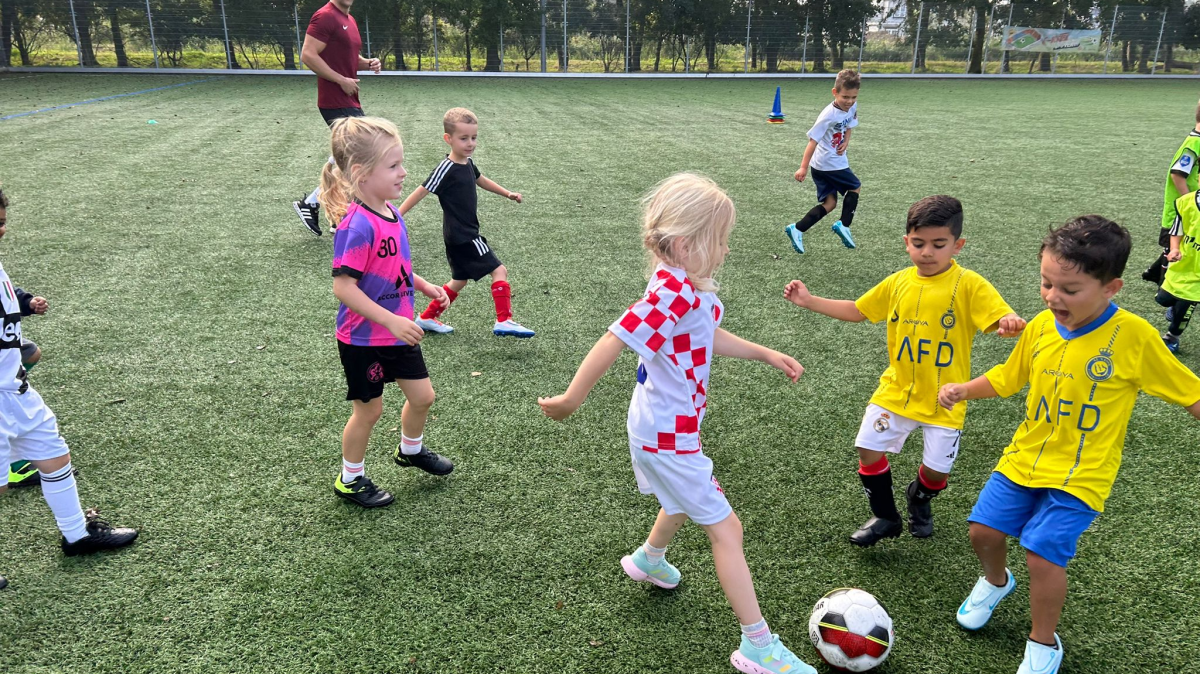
611	36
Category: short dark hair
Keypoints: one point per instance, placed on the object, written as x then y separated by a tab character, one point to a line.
847	79
936	211
1094	244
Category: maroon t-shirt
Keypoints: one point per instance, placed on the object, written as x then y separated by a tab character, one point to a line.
339	32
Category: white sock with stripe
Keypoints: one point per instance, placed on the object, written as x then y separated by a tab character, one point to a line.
758	633
410	446
653	555
62	495
351	471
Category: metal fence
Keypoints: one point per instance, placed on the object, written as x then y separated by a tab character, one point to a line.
614	36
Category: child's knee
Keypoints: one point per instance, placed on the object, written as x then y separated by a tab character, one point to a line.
870	457
34	357
726	532
1040	566
369	412
422	400
500	273
984	535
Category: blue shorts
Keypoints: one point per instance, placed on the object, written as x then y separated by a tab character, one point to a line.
834	182
1047	521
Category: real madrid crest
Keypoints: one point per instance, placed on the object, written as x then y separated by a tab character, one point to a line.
948	319
881	425
1100	368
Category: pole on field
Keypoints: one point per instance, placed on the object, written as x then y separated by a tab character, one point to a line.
369	52
971	47
862	42
501	48
543	35
566	66
746	60
626	35
687	55
225	26
299	43
1003	51
153	44
75	25
917	42
433	20
1111	31
804	51
987	40
1161	26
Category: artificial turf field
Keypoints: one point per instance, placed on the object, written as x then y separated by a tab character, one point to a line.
189	354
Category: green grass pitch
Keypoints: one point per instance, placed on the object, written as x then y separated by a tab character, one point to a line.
189	354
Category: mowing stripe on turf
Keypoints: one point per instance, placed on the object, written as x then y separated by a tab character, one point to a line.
106	98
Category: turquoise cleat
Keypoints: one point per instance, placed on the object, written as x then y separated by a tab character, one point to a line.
640	569
843	233
774	659
796	236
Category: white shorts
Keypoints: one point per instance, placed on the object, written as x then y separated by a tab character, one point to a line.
683	483
28	429
884	431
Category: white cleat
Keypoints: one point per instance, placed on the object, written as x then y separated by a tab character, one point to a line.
511	328
433	325
976	609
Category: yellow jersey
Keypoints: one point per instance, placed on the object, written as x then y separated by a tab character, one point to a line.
931	326
1082	387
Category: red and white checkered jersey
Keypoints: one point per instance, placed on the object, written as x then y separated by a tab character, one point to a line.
671	329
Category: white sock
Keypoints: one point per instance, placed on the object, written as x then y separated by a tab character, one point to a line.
410	446
62	495
311	199
351	471
653	555
758	633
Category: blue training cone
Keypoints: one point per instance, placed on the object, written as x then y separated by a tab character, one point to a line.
776	116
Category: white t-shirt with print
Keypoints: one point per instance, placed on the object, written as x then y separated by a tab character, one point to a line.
828	131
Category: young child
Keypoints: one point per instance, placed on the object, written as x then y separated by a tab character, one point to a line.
1180	291
1182	178
1085	361
373	279
826	153
29	432
674	329
469	255
933	310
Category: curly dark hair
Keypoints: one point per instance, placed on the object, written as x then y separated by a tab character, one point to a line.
1094	244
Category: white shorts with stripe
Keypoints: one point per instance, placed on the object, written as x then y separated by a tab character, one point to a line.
886	431
682	483
28	429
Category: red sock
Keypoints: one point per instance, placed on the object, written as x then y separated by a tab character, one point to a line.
930	484
435	308
878	468
502	296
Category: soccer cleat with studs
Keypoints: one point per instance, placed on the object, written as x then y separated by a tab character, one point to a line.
874	530
795	236
361	491
430	462
843	233
100	536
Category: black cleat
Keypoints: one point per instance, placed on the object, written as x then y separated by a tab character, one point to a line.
362	491
430	462
309	215
101	536
3	582
875	530
920	513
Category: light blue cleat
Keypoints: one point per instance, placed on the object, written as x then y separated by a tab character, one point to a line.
640	569
796	236
976	609
843	233
511	328
774	659
1042	659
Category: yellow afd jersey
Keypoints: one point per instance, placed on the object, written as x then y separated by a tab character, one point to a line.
1082	387
931	325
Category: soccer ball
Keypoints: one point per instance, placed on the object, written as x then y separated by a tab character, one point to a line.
851	630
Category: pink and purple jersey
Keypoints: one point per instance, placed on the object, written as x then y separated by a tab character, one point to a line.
373	248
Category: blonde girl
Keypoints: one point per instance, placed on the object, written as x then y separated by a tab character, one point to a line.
674	330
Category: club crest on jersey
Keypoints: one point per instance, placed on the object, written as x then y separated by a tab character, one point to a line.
948	319
1100	368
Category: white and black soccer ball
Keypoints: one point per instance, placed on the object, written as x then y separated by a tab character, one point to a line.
851	630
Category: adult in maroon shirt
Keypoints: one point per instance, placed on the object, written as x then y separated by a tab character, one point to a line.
332	47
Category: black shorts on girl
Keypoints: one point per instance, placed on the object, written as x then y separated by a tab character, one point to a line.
472	260
369	368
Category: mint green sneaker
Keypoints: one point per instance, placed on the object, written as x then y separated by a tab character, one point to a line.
774	659
640	569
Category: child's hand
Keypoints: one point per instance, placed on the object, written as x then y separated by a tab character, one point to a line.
1175	256
801	174
951	395
786	363
1010	326
436	293
841	147
515	196
39	305
406	331
558	407
797	293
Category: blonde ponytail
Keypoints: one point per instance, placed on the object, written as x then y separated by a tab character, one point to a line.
356	144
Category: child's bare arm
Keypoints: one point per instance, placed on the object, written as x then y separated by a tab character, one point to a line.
1194	409
726	343
413	199
976	389
841	149
594	365
346	290
1176	253
1180	183
843	310
492	187
802	172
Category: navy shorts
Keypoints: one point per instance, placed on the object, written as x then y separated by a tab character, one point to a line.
834	182
1047	521
331	115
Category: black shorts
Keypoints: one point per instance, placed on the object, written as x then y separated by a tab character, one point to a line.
472	260
368	368
332	115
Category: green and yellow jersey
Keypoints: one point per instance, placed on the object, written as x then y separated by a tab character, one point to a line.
1183	163
1183	277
